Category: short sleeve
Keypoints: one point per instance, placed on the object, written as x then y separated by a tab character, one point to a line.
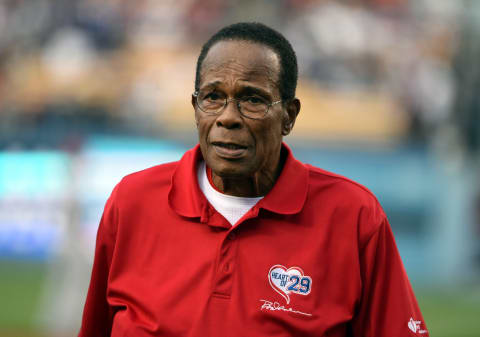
97	314
388	307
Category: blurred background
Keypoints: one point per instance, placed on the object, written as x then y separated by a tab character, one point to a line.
91	90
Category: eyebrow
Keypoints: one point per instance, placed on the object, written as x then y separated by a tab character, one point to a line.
260	91
212	84
246	88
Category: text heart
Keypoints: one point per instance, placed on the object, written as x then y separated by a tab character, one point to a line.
289	281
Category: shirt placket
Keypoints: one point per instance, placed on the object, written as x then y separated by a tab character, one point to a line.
226	266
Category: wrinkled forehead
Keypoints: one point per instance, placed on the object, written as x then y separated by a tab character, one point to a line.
241	60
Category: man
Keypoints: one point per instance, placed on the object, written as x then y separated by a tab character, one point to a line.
239	238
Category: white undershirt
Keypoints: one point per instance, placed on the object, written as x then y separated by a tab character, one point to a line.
232	208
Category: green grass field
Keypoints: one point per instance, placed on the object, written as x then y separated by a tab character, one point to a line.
452	313
20	289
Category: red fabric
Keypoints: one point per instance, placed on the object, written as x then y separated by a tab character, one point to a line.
210	179
167	264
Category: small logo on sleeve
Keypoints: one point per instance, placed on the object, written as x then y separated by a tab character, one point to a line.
416	326
289	281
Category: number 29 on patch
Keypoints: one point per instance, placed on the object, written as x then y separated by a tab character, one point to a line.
299	284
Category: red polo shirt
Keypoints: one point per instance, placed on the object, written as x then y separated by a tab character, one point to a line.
314	257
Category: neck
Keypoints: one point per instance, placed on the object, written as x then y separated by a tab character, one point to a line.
256	185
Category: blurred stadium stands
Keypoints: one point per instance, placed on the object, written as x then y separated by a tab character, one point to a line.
92	90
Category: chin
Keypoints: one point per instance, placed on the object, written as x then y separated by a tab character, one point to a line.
230	169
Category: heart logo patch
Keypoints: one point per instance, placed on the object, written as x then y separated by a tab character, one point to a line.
289	281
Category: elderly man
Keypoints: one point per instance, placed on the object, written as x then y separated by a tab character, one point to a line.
239	238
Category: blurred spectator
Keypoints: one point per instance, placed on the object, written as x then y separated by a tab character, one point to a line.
99	53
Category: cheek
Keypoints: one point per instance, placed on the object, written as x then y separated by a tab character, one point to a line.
269	140
202	139
203	127
202	136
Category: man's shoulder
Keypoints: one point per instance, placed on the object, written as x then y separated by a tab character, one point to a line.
152	177
346	196
339	186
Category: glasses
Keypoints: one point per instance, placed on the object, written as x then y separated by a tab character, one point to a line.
213	103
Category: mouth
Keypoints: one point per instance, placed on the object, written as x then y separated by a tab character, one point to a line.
230	146
229	150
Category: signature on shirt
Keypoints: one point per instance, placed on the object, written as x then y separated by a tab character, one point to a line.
274	306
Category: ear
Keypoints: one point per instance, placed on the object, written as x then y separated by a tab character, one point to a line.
194	104
193	101
291	113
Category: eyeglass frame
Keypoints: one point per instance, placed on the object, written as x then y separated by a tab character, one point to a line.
228	100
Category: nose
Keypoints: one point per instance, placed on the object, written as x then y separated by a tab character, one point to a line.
230	117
